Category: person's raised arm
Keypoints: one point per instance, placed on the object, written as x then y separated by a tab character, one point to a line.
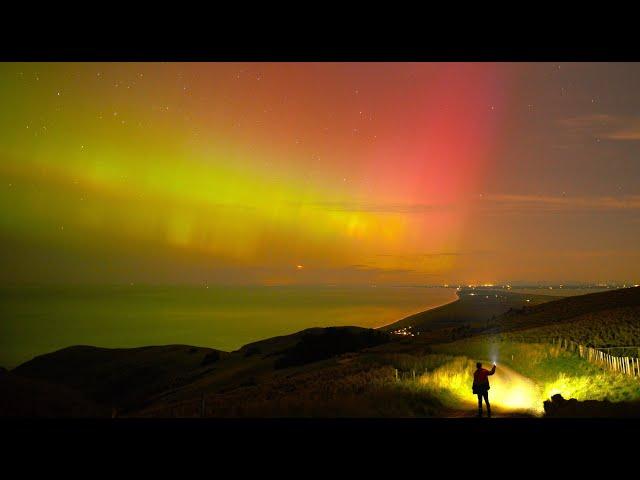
493	369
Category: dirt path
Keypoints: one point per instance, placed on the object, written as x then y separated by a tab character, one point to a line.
511	395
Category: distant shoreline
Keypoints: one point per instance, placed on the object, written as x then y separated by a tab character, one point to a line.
419	311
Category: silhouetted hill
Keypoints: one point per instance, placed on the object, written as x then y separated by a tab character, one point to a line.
332	341
119	377
129	379
258	362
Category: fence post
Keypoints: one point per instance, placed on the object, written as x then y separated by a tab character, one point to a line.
611	364
396	374
414	374
626	365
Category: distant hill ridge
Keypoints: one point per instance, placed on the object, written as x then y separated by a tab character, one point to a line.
569	308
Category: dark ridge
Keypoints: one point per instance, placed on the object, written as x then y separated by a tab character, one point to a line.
568	308
332	341
118	377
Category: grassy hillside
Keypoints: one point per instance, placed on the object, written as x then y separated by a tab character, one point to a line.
25	397
568	309
261	362
616	327
118	378
555	370
349	385
131	379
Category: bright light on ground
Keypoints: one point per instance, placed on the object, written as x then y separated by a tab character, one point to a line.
510	392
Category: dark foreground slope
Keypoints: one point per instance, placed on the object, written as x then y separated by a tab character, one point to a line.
120	377
131	380
559	407
25	397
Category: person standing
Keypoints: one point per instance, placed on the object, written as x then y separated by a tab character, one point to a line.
481	386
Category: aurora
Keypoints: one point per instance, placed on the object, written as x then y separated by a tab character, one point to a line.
245	173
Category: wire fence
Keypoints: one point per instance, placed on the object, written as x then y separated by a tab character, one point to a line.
620	359
627	365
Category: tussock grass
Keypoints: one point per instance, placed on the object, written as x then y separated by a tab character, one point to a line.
354	386
451	381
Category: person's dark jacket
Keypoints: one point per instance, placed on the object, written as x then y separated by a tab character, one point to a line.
481	379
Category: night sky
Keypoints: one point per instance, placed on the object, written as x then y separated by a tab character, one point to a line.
349	173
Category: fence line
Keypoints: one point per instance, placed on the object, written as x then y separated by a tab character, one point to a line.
409	374
624	365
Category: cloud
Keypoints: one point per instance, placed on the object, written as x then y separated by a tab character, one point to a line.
511	203
604	126
380	271
382	207
436	254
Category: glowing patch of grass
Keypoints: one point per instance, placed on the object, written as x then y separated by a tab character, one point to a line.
553	369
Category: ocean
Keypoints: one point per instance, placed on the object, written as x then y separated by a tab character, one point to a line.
37	320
